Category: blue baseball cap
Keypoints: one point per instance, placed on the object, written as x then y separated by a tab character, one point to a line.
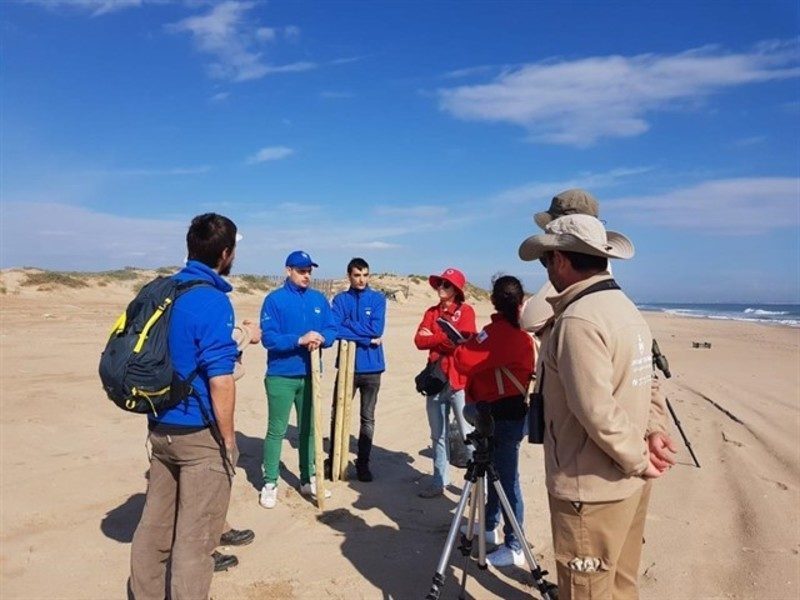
300	260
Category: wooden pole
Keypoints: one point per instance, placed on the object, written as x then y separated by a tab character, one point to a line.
338	407
348	407
316	398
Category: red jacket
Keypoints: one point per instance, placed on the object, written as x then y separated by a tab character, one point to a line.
500	344
462	317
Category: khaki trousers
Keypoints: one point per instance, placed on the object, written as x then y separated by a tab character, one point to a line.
609	531
187	499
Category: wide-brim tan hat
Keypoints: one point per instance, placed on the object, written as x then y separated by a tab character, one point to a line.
577	233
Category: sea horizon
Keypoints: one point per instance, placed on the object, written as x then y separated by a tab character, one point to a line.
774	313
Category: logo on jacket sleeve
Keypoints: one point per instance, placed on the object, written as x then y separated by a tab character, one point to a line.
317	310
482	336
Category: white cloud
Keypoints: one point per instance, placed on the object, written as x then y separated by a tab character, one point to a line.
580	101
142	172
220	97
95	7
61	236
743	206
270	153
539	193
373	245
750	141
234	39
331	95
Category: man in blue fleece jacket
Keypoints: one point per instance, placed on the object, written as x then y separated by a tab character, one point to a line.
295	321
360	314
191	470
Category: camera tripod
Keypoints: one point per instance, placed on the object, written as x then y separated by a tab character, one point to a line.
474	492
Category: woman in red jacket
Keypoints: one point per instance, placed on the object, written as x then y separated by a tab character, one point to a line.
498	364
430	336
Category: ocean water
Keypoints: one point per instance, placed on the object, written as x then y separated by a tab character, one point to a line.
776	314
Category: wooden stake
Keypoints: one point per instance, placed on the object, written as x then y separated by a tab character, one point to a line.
316	398
348	407
336	442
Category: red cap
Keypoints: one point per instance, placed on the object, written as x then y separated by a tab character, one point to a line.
454	276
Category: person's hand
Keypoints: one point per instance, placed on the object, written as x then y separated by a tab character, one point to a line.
465	338
254	329
376	341
312	337
662	450
312	346
424	331
652	471
231	451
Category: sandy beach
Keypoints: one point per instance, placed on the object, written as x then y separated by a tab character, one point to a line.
73	469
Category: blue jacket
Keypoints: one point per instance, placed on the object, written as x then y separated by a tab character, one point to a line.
200	330
361	317
288	313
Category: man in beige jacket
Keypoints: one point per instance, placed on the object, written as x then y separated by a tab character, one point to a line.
595	376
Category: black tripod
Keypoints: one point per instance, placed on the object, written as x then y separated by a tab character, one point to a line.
474	492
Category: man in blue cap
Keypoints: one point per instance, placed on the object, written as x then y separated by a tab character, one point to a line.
295	321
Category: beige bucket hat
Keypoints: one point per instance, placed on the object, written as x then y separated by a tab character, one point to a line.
569	202
577	233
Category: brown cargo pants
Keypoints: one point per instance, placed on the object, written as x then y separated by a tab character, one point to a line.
609	535
187	499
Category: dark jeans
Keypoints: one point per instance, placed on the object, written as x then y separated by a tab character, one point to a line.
506	440
367	384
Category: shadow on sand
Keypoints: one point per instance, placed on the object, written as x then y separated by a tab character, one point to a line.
400	559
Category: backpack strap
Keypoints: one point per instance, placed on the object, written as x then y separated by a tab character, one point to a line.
182	288
600	286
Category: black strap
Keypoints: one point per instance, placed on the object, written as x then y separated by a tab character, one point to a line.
600	286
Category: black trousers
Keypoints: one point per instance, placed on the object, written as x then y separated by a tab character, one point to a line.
367	385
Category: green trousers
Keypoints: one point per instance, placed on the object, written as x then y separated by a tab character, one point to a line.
282	393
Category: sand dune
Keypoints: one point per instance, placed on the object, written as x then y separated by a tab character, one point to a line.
73	468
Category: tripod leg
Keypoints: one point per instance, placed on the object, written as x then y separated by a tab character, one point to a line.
466	547
683	435
481	500
546	589
438	577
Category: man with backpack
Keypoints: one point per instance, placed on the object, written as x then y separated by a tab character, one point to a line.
193	443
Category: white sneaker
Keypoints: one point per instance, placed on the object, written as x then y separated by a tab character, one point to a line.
491	536
269	495
505	557
310	489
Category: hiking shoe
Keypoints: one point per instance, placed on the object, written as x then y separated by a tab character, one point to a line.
269	495
363	473
505	557
491	536
236	537
310	489
433	491
223	562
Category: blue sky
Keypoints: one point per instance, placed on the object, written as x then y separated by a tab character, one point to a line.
419	135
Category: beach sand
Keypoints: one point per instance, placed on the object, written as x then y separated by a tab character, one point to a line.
73	469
